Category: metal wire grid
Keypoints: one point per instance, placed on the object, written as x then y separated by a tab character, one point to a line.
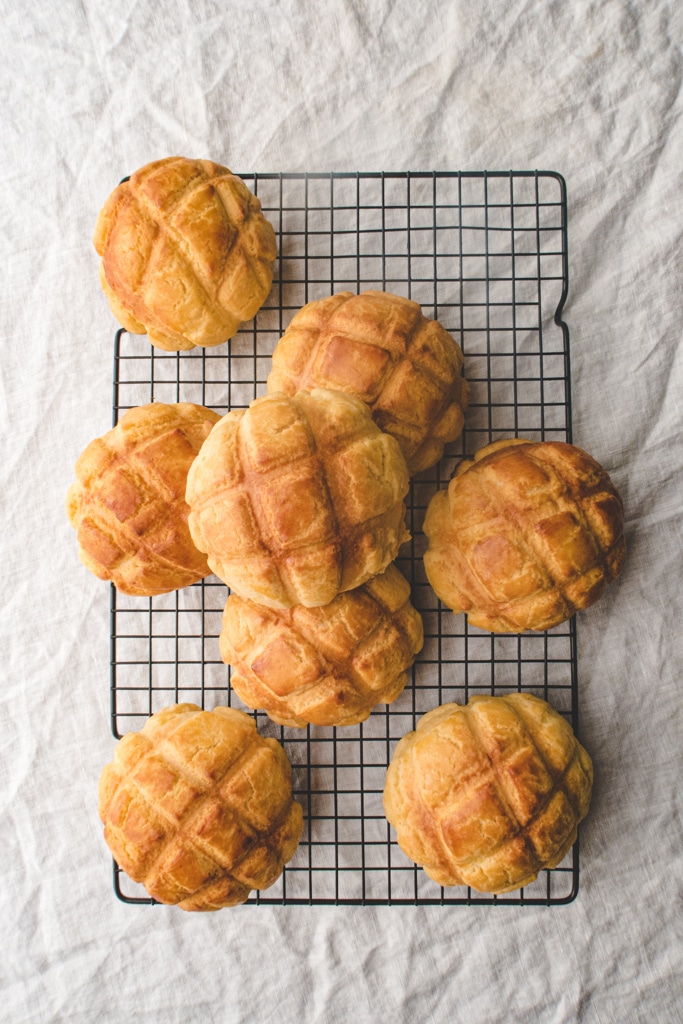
486	254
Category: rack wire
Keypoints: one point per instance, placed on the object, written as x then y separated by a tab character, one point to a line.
486	254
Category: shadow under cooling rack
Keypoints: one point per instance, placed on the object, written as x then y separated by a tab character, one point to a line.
486	254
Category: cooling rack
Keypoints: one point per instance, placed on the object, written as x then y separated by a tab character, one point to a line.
486	254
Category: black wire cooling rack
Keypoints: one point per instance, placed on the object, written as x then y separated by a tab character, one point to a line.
486	254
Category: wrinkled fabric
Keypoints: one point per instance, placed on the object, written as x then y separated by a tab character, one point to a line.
91	91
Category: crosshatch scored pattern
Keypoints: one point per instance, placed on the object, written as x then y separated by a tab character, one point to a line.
486	254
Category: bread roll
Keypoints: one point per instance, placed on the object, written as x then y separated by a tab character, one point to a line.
489	794
324	666
380	348
526	534
128	502
296	500
198	807
186	253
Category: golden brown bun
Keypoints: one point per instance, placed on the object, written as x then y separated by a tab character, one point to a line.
128	502
380	348
325	666
489	794
297	499
186	253
198	807
526	534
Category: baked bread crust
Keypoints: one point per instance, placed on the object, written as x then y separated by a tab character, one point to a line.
186	253
198	807
526	534
490	793
380	348
297	499
324	666
128	502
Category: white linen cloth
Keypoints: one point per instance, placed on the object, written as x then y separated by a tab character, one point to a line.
93	90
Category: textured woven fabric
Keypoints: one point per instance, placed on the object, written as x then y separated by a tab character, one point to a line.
92	91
